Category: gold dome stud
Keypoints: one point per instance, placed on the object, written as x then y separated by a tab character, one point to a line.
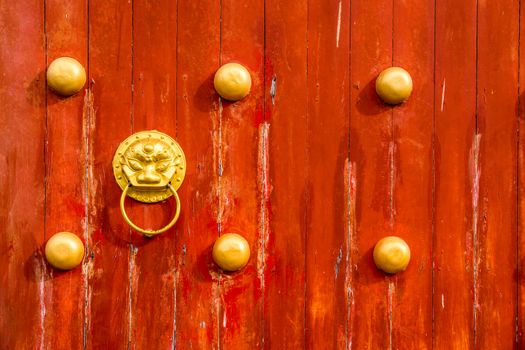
391	254
64	250
232	81
394	85
231	252
66	76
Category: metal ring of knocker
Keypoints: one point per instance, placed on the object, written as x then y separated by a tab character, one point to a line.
149	166
149	233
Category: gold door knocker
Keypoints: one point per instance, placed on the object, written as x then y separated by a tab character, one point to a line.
149	166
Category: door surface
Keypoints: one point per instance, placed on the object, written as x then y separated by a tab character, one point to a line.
312	168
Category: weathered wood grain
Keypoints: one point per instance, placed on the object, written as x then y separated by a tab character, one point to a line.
22	178
154	107
495	279
66	33
412	174
285	120
371	164
198	45
109	110
242	161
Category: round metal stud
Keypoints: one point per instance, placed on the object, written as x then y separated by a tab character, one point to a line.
231	252
232	81
391	254
394	85
64	250
66	76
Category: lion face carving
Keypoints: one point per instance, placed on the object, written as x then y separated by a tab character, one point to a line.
149	164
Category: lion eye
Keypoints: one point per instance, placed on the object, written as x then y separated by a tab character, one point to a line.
162	165
135	165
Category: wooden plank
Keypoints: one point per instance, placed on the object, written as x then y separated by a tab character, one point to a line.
521	187
371	172
455	109
108	108
242	161
285	94
328	132
198	44
154	107
66	32
22	179
495	247
412	170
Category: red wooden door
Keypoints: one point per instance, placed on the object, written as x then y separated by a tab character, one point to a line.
311	168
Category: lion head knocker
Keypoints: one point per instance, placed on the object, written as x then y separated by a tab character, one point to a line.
149	163
149	166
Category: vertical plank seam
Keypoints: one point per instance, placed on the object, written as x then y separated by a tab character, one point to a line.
390	294
88	254
132	107
518	235
132	249
174	335
219	184
307	156
391	287
264	175
46	173
87	122
393	136
347	189
349	260
219	215
475	243
175	270
475	177
432	247
176	68
131	260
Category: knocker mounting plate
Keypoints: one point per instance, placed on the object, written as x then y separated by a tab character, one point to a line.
147	162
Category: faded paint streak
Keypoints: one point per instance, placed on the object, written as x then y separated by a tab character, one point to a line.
338	262
351	245
391	154
217	145
93	199
263	165
443	95
338	25
133	277
88	119
273	89
475	172
216	304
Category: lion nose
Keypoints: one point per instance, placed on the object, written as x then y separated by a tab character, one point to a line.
149	176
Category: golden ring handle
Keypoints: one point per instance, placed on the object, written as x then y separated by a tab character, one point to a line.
150	233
